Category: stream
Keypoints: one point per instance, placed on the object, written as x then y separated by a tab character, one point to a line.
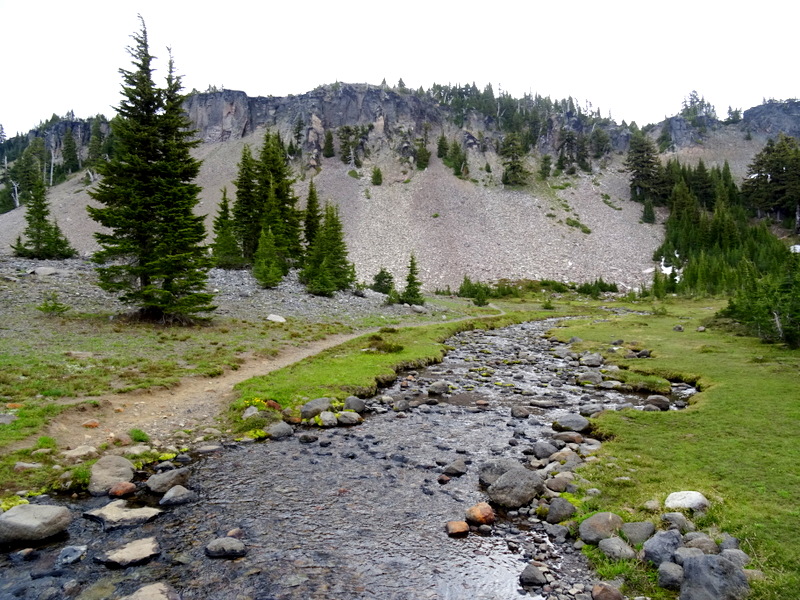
360	512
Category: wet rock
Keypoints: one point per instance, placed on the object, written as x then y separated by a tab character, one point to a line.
571	437
154	591
520	412
491	470
457	468
660	402
226	547
457	528
661	547
123	488
355	404
349	418
480	514
160	483
712	577
690	500
70	555
116	514
532	576
33	522
177	495
572	422
134	553
307	438
606	591
107	472
599	527
543	449
589	377
438	388
638	532
560	510
280	430
311	409
616	548
516	488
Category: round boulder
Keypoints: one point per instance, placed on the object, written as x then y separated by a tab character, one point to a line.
599	527
694	501
33	522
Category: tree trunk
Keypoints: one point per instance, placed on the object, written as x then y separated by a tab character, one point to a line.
15	193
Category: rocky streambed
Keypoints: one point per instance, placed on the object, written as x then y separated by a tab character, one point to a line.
360	512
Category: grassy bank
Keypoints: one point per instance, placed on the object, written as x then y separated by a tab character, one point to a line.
737	443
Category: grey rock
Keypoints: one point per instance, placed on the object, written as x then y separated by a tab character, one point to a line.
571	422
587	410
328	419
599	527
712	577
638	532
226	547
736	556
250	411
177	495
355	403
160	483
116	514
694	501
107	471
311	409
558	533
80	453
592	359
438	388
728	542
280	430
349	418
532	576
70	555
491	470
401	405
676	520
616	548
661	547
560	510
516	488
660	402
589	377
33	522
134	553
704	543
520	412
670	575
457	468
543	449
681	554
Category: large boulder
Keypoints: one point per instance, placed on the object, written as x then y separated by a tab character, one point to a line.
599	527
311	409
107	472
712	577
662	546
491	470
33	522
161	483
571	422
615	548
516	488
690	500
560	510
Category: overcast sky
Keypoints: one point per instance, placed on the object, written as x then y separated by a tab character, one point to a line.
635	60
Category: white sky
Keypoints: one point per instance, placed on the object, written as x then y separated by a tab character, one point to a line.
637	60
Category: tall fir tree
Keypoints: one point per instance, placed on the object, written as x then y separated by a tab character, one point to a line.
95	150
69	152
311	216
645	169
153	254
327	267
248	213
327	146
512	153
225	249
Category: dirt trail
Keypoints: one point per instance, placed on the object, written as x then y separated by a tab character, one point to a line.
192	404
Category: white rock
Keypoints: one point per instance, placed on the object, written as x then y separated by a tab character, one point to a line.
276	319
694	501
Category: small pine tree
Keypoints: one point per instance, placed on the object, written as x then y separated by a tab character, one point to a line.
422	156
327	263
69	151
413	292
327	147
225	250
442	147
377	176
545	166
95	143
44	237
382	282
266	264
648	213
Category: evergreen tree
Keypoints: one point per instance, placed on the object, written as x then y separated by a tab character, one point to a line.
422	156
412	294
648	213
377	176
225	249
69	152
383	282
312	216
442	147
511	151
248	213
44	239
153	254
327	267
266	264
327	148
545	166
645	169
95	143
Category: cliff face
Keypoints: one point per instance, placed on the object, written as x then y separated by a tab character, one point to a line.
774	118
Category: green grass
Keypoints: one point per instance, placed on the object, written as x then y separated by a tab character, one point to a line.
737	443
